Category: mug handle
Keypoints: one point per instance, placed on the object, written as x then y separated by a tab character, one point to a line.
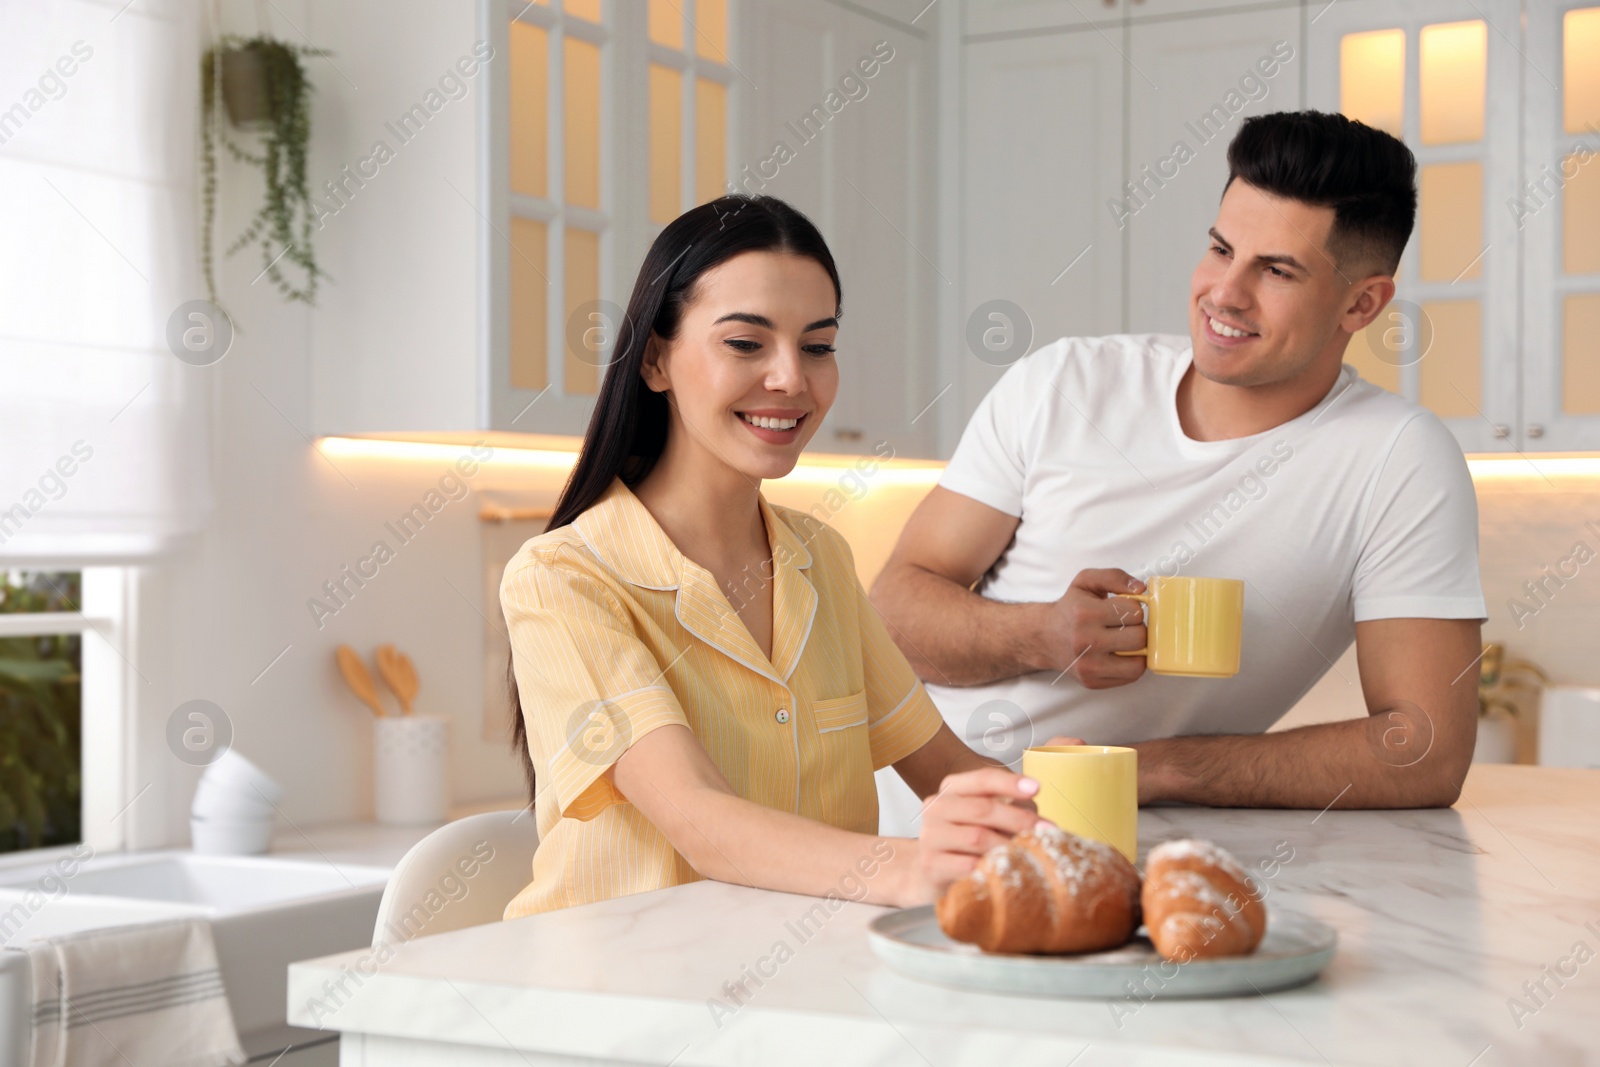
1149	601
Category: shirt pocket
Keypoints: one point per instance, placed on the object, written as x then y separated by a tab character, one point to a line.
838	773
840	713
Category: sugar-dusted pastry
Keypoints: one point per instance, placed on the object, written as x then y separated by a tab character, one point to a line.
1044	891
1199	902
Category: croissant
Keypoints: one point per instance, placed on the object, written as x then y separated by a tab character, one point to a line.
1045	891
1199	903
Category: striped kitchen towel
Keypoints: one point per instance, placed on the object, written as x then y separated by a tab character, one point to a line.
143	995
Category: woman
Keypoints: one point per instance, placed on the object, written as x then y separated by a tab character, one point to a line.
700	686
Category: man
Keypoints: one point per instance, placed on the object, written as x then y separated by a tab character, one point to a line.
1247	450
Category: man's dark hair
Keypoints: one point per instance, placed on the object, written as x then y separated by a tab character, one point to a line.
1367	176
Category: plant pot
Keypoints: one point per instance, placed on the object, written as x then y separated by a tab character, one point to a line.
410	769
1497	740
261	85
244	86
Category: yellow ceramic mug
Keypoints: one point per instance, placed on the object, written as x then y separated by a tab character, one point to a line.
1089	790
1194	624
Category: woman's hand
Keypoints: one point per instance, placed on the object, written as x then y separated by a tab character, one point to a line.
971	813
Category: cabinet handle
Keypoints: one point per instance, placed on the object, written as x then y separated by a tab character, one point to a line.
849	435
1535	430
1502	431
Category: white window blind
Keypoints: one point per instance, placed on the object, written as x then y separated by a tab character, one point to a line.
104	453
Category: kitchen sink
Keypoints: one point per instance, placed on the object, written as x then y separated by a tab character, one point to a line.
217	884
265	913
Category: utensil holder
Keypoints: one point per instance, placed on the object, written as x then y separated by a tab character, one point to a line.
410	761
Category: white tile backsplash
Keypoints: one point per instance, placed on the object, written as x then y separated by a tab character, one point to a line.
1529	530
1532	531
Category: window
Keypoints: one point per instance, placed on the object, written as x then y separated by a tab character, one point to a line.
66	681
105	429
608	127
41	702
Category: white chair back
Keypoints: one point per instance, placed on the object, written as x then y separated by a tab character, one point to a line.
462	874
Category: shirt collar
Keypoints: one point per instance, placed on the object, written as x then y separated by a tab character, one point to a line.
620	530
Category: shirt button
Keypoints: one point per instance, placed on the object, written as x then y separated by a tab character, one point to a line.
783	715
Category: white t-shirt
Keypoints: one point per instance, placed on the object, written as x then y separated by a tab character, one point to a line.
1362	508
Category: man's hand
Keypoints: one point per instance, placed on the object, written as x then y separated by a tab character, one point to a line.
971	813
954	636
1088	625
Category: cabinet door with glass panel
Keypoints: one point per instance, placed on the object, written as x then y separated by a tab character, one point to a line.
612	122
1442	76
1557	214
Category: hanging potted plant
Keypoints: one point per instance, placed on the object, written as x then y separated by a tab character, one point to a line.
263	89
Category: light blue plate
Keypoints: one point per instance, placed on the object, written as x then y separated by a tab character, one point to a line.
1295	950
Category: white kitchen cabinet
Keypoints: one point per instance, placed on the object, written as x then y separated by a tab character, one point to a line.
1192	83
1557	208
324	1053
1070	148
1148	10
394	337
1023	151
418	334
410	334
995	19
855	153
1042	157
1496	325
897	13
1012	18
1449	340
1514	364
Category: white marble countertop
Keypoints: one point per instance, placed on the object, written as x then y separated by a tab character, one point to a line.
366	843
1442	916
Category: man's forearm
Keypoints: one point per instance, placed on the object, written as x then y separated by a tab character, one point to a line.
1377	761
953	636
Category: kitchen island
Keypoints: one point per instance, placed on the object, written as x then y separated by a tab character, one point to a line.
1468	936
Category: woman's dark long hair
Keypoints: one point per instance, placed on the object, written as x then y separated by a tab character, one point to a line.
628	430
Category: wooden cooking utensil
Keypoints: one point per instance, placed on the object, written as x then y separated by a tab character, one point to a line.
358	679
399	673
